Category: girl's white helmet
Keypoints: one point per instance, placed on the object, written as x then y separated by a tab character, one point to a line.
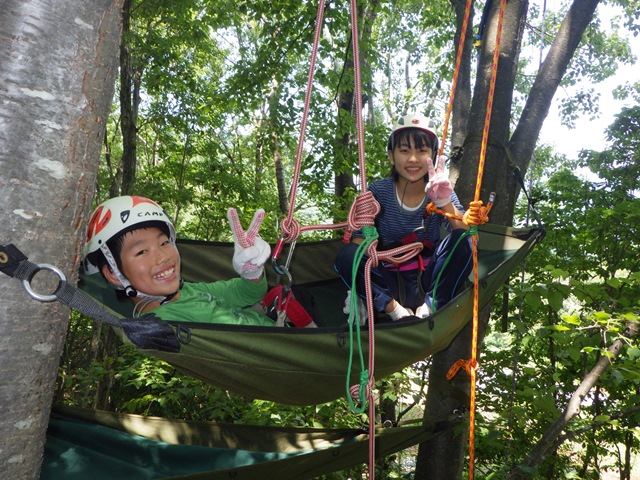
117	216
414	120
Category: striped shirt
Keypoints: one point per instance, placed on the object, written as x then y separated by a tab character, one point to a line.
396	221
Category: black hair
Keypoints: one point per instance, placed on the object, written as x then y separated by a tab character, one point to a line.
420	139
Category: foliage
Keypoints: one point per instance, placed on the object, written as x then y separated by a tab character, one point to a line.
578	291
222	89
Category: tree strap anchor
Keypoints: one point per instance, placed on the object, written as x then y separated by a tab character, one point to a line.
15	264
26	283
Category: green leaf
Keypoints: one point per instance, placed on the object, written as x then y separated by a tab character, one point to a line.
555	299
572	319
559	273
601	316
633	352
533	300
613	282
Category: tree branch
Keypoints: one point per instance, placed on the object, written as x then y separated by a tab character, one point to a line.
593	426
550	439
548	79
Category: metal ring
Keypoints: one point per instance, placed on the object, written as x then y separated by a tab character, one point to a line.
44	298
183	334
4	258
283	272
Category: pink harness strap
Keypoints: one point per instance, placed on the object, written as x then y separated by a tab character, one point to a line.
419	264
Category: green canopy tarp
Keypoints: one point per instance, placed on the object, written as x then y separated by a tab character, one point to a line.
87	444
309	366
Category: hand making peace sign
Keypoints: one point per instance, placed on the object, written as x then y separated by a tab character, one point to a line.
250	251
439	188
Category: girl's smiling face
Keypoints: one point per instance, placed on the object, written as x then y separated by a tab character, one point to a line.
410	159
150	261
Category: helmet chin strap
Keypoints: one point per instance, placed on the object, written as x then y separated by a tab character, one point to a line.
126	286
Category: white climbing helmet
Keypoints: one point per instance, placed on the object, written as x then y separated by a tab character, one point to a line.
117	216
414	120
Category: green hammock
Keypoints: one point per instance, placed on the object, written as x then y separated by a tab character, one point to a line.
87	444
308	366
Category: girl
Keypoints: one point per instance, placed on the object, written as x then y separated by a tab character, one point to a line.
414	182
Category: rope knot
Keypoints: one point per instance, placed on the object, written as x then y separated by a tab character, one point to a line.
431	208
467	365
363	211
290	229
361	392
477	214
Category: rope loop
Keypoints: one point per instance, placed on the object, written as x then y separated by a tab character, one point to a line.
401	254
431	209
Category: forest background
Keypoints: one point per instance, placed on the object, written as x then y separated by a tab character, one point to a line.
207	115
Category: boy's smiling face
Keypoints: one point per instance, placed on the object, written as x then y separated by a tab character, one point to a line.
150	261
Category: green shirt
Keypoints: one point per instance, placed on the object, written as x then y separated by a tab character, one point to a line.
217	302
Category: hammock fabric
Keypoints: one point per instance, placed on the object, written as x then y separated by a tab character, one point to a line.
309	366
87	444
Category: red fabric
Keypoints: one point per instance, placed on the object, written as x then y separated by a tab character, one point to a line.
296	313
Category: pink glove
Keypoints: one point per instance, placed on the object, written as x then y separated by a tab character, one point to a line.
250	251
439	188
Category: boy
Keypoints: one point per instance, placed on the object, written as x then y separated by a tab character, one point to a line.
131	242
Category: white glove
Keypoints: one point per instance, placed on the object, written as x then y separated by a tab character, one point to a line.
439	188
250	251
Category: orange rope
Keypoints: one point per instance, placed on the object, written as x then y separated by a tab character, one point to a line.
470	366
476	214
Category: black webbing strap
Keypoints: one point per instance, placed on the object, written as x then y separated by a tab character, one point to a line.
147	332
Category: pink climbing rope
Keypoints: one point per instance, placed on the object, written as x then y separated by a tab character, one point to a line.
362	213
290	229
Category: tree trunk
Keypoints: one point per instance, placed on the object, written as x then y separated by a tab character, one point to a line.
443	457
104	348
129	101
462	103
273	128
344	180
497	176
525	136
58	65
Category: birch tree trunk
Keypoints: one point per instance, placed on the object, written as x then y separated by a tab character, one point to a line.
58	62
